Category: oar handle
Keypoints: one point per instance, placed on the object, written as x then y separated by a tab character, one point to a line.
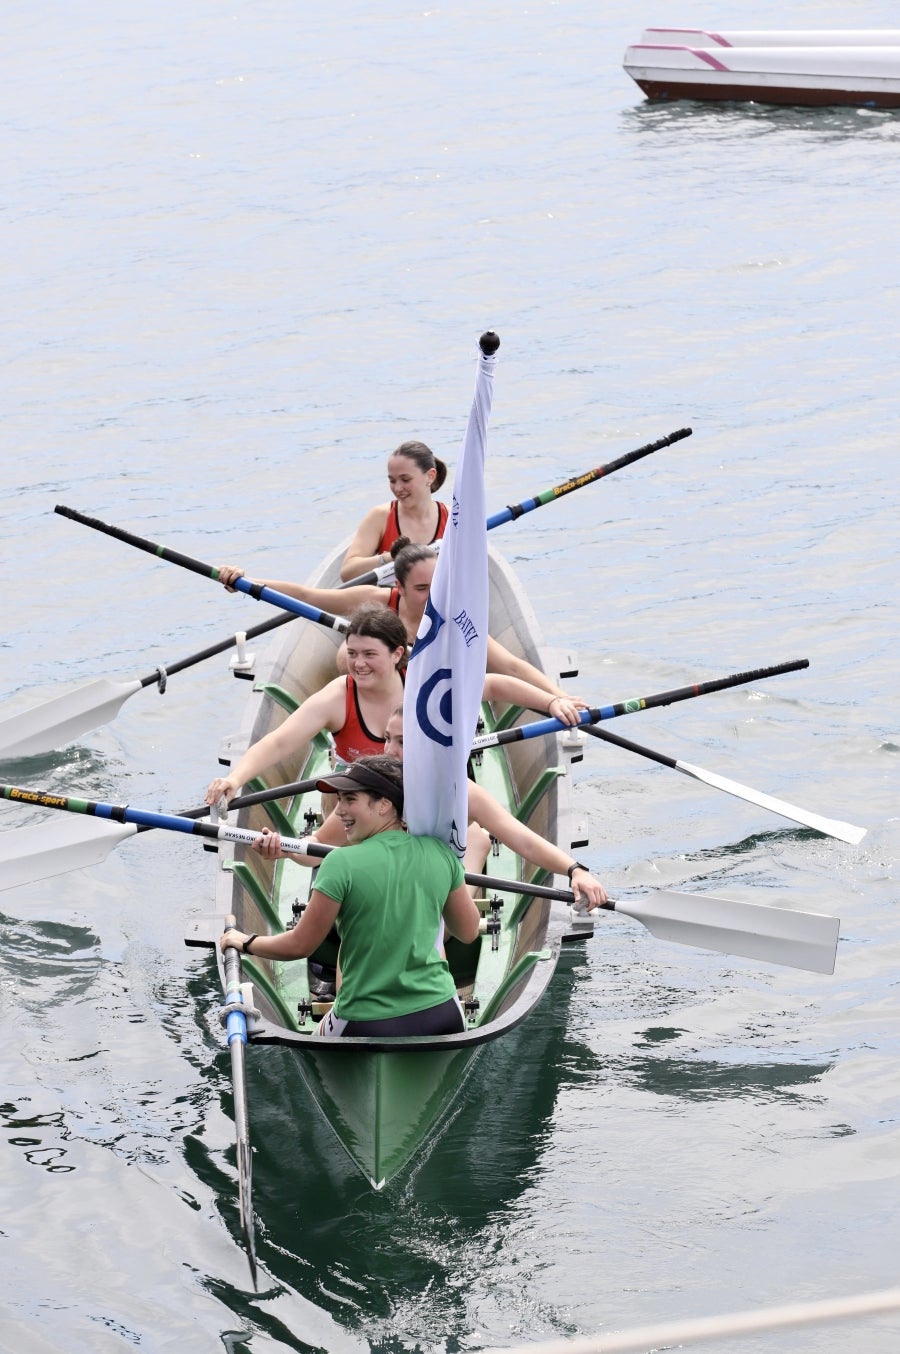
509	514
297	787
124	814
259	591
233	978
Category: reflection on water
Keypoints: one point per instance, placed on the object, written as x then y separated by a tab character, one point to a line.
51	963
708	1079
720	121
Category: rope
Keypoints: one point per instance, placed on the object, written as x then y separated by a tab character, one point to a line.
641	1339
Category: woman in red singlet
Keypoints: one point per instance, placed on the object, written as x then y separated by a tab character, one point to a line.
355	708
414	474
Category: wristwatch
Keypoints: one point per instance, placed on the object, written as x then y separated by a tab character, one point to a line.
576	865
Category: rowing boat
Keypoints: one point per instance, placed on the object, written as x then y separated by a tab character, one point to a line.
384	1097
850	68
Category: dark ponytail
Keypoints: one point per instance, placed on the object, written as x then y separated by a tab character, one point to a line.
425	459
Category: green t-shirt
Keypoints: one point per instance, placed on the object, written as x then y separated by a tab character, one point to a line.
391	889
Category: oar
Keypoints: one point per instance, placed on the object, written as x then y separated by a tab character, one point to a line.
236	1031
806	940
550	495
509	514
64	718
258	591
831	827
798	939
43	850
636	703
845	832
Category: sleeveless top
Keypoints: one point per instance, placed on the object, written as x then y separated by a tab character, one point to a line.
354	739
394	600
392	527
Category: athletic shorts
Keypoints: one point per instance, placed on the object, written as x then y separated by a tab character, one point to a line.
448	1018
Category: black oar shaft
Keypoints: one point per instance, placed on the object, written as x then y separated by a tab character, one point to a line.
161	551
221	647
259	591
297	787
510	513
683	693
631	747
480	880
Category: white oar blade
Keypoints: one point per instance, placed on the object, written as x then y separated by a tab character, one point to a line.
805	940
42	850
831	827
60	720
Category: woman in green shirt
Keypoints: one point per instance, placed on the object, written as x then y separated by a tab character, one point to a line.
387	895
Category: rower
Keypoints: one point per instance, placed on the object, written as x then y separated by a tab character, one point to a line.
414	474
353	708
388	894
414	566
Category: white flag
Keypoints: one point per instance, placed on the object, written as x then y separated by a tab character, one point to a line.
445	679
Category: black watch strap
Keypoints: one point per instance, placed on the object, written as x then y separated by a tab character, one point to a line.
250	939
576	865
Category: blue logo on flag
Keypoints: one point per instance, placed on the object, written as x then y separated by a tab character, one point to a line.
434	706
435	625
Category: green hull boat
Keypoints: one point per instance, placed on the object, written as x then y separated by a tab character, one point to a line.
384	1098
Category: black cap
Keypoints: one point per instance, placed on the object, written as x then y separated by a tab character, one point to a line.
356	777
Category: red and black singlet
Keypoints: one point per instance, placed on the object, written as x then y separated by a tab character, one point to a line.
392	527
354	739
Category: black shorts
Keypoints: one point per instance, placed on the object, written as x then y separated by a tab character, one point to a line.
447	1018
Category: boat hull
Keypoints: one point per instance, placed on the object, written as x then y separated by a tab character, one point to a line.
382	1097
814	76
382	1106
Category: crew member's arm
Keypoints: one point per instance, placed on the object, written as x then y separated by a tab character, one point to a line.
461	916
323	710
500	660
478	843
326	599
302	940
507	829
362	553
500	687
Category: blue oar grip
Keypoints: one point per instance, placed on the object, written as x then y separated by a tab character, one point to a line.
236	1022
